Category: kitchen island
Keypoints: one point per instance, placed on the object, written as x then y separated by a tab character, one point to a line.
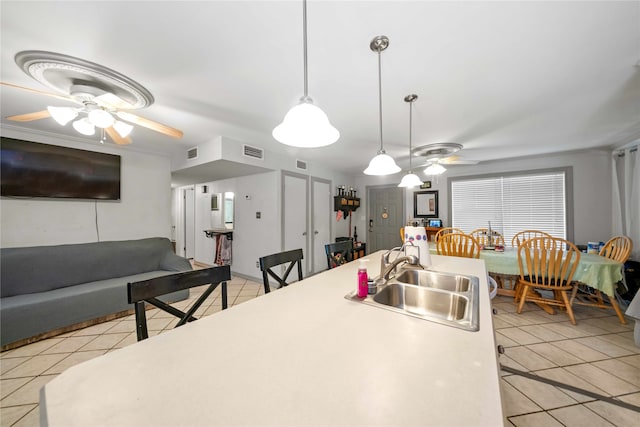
302	355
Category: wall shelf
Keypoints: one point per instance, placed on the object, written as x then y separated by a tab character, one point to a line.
344	203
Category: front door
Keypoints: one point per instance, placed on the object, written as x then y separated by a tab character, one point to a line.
386	216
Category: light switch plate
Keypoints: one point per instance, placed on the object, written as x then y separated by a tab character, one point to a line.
258	215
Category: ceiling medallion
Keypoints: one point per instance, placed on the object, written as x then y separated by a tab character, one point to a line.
437	151
65	74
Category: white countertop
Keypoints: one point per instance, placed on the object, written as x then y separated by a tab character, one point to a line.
302	355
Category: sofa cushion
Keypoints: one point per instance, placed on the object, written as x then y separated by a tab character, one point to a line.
44	268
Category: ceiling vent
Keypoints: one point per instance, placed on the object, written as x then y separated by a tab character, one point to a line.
301	164
253	152
192	153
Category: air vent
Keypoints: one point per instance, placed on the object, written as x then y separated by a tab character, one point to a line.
301	164
253	152
192	153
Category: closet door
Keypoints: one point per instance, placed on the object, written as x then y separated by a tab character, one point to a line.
320	222
295	215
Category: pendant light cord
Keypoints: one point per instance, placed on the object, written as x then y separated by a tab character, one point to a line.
410	126
304	37
380	97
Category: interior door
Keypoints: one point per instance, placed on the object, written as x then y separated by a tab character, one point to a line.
189	223
320	222
386	216
295	202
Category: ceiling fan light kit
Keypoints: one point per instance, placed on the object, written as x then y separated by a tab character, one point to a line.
410	180
435	169
382	163
101	92
306	125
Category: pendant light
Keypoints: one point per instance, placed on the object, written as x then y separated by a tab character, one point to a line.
382	163
305	125
410	180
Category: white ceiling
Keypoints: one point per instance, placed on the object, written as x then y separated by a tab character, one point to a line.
505	79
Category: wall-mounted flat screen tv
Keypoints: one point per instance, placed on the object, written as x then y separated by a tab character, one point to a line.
31	169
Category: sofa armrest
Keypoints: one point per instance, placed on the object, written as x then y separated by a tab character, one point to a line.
173	262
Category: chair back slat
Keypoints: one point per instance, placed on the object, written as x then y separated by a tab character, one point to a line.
268	262
339	253
618	249
523	235
458	244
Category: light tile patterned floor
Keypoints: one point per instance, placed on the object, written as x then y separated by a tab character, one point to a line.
597	355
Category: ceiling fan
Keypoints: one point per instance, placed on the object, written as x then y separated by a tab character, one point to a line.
441	153
103	96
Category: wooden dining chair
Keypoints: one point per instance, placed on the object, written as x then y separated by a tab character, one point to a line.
458	244
545	266
482	236
447	230
523	235
267	262
339	253
148	291
617	249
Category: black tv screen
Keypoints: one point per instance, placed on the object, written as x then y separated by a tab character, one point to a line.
31	169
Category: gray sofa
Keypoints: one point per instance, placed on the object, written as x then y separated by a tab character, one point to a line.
45	288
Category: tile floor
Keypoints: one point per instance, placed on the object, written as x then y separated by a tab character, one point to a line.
597	355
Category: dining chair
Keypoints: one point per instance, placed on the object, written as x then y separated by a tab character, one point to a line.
147	291
482	236
339	253
267	262
545	266
458	244
617	249
523	235
447	230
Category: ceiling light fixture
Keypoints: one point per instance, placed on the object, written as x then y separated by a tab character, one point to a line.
305	125
410	180
101	118
123	129
62	115
435	168
84	126
382	163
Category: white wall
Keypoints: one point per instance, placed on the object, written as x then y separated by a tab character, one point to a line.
591	188
143	211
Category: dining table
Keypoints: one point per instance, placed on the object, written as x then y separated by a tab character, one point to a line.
597	272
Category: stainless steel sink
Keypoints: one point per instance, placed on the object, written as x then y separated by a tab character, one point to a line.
432	279
445	298
423	301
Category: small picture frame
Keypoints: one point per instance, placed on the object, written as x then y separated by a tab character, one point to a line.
425	185
425	204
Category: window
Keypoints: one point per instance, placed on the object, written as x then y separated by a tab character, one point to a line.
534	200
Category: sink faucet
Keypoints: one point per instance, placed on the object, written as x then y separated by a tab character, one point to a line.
411	259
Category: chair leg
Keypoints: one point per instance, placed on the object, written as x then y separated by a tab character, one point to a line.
523	297
141	321
224	295
616	307
568	306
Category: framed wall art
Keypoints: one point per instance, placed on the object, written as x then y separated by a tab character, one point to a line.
425	204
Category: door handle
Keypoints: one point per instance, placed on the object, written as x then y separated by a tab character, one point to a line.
315	232
304	234
370	225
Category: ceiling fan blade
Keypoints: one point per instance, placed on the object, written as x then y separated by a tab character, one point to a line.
112	101
456	160
39	92
116	136
30	116
150	124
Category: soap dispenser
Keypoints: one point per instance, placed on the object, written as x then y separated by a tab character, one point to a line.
363	286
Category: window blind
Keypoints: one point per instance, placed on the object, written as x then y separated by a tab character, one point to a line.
512	203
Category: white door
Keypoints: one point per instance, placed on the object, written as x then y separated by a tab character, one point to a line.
320	222
295	200
189	223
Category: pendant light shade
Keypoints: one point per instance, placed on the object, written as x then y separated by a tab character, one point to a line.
84	126
382	164
101	118
305	125
123	129
410	180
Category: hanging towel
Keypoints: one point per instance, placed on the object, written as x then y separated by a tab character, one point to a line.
223	250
